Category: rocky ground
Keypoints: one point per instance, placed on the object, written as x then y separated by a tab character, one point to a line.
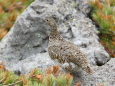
25	46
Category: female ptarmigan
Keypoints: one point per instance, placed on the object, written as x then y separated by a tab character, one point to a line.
64	51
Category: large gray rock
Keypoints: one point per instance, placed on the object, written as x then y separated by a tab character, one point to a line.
25	46
29	35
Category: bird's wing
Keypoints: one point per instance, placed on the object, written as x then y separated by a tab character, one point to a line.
55	52
67	52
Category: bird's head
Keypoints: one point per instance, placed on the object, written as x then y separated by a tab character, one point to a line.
50	21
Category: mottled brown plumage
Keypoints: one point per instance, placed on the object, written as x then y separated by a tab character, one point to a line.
65	51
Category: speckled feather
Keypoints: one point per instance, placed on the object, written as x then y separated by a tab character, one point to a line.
63	50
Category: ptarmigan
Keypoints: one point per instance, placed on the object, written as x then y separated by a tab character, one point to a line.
64	51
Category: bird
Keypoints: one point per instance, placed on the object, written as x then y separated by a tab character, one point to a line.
63	51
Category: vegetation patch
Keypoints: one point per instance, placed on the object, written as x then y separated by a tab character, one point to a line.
51	77
9	10
103	14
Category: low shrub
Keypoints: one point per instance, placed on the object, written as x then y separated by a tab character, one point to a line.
103	14
51	77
